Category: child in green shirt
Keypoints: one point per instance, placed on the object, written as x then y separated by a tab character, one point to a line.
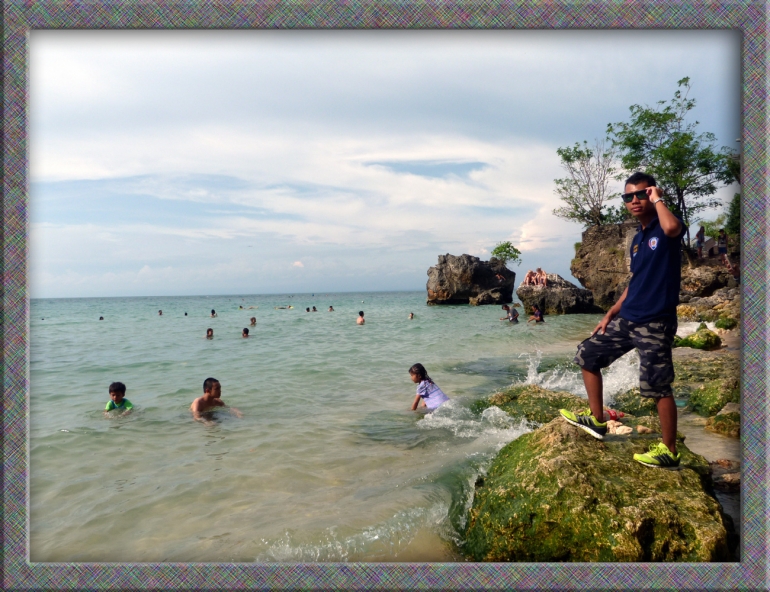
119	401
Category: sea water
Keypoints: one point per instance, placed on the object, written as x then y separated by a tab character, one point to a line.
327	462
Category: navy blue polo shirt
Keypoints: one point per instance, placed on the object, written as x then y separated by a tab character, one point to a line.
656	265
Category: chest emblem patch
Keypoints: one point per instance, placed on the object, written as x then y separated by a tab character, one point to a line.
653	242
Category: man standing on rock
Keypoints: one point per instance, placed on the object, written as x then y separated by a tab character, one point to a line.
643	318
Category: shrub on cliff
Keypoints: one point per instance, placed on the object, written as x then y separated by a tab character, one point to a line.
506	252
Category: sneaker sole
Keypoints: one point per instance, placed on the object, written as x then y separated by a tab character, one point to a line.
641	462
584	428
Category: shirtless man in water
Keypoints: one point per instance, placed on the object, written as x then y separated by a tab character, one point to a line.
212	391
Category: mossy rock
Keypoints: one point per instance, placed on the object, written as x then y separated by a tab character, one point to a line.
532	402
709	316
632	402
701	339
726	323
686	312
705	368
727	424
648	421
557	494
708	399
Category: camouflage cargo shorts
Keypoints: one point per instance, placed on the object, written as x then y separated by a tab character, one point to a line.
653	340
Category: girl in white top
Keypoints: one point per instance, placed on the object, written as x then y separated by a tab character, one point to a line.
427	390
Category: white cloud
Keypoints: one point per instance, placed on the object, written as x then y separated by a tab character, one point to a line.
296	120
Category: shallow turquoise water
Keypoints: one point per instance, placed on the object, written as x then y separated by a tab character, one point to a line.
327	463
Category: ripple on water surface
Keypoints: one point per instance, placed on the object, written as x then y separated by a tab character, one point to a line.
325	430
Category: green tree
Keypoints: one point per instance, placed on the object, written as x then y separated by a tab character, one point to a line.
506	252
585	190
687	165
733	221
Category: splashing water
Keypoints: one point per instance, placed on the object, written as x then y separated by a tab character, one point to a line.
685	329
495	428
621	376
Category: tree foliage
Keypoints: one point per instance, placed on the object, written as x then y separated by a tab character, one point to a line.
506	252
687	165
733	221
585	190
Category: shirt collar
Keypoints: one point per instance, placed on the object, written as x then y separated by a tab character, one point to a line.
652	224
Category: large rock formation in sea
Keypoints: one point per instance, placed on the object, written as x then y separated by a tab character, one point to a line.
468	280
558	494
602	261
557	297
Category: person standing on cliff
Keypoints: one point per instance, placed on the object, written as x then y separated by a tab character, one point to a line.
643	318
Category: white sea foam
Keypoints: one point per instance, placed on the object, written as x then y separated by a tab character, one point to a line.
494	428
384	540
620	376
685	329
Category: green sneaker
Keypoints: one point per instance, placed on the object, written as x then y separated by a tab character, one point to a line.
585	421
659	457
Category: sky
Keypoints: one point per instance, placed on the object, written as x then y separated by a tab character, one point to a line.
255	162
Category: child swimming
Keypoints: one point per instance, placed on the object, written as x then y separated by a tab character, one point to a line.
427	390
117	394
209	333
212	392
537	315
245	333
253	321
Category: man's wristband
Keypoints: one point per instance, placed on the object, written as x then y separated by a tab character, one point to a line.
655	203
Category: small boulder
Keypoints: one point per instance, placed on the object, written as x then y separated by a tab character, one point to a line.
727	424
726	323
701	339
730	408
726	475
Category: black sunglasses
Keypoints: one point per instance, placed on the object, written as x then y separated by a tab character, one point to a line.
629	197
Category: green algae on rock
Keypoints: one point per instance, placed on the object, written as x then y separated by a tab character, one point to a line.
709	398
701	339
556	494
532	402
727	424
726	323
632	402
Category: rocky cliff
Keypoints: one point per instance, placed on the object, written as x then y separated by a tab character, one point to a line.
468	280
602	262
